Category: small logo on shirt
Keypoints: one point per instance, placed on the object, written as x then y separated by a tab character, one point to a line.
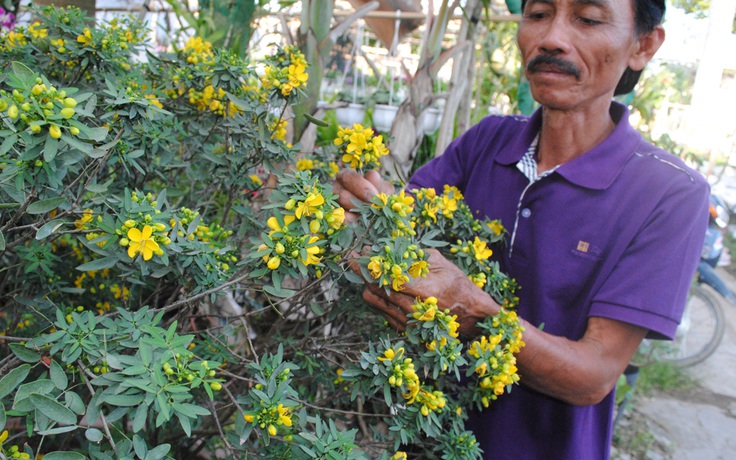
588	251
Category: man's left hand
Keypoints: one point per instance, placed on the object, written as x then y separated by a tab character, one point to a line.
446	282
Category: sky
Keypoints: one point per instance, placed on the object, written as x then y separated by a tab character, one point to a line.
684	37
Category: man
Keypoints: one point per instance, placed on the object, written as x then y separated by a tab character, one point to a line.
604	229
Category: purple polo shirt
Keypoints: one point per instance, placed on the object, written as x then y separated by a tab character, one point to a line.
614	233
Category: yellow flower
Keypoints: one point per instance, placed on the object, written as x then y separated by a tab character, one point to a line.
399	455
312	251
309	205
142	243
284	415
495	226
85	38
256	180
81	223
390	354
447	205
398	280
375	266
305	164
154	100
481	251
336	218
273	223
428	315
298	75
419	268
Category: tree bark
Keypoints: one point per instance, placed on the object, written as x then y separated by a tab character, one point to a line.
458	104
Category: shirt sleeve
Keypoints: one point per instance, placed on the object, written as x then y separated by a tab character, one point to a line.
649	284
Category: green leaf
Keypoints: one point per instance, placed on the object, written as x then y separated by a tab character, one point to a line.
8	144
97	188
95	134
124	400
316	121
59	455
13	378
186	425
50	149
24	354
52	409
93	435
2	241
58	376
3	418
48	228
44	206
58	430
23	73
139	420
278	291
99	264
140	446
74	402
158	452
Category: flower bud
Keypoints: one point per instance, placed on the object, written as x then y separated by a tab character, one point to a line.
274	262
55	131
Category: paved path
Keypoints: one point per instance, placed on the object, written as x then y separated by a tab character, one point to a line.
701	425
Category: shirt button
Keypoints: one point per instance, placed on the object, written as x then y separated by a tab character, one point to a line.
526	212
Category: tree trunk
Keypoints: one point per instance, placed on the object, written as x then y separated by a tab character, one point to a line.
461	83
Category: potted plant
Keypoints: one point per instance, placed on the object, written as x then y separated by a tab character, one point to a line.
431	117
353	109
385	106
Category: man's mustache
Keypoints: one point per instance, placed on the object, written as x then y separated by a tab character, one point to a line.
544	62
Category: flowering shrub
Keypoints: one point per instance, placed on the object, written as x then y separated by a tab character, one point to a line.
174	279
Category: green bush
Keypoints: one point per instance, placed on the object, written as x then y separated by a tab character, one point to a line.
174	281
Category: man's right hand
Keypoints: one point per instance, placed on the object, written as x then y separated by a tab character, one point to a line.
352	187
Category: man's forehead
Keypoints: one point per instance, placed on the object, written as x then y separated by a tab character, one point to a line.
602	3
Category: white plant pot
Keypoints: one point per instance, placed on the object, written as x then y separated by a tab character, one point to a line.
350	115
383	116
431	118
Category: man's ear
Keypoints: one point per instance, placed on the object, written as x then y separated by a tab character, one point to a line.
647	45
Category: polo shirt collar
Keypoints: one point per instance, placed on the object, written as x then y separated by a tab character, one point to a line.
597	168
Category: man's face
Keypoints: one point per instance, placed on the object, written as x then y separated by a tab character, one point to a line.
575	51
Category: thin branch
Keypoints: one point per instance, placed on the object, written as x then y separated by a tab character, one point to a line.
92	391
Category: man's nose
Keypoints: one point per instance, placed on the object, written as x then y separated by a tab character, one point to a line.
556	37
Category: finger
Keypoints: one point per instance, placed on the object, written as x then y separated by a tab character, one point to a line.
356	184
393	314
383	186
398	300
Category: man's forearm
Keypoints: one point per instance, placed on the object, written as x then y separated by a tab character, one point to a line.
578	372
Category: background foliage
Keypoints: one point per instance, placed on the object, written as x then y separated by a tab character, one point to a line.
173	280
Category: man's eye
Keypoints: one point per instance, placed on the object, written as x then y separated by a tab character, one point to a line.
535	15
589	21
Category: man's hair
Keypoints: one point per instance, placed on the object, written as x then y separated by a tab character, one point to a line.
647	15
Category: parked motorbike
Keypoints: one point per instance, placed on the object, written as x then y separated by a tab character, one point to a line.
713	248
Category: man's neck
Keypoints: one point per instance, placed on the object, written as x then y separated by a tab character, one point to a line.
566	135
